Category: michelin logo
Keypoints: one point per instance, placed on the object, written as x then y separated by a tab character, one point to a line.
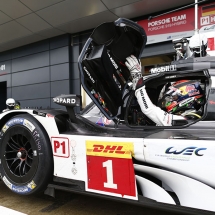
64	100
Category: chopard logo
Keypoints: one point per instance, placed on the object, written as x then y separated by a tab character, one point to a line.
89	75
143	98
64	100
186	151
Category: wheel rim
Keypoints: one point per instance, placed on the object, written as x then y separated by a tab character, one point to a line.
19	155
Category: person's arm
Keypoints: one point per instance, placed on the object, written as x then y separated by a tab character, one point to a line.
156	114
153	112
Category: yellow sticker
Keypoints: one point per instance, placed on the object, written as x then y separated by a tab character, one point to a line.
110	149
32	185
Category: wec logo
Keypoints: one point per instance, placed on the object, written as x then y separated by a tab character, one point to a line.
108	149
187	151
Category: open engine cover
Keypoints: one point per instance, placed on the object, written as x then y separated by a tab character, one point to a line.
102	63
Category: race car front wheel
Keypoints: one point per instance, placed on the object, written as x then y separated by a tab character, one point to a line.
26	164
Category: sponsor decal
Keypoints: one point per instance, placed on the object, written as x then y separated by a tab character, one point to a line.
112	61
15	122
19	189
186	101
168	68
31	185
105	163
184	154
110	149
29	125
41	114
172	76
64	100
4	129
89	75
143	99
20	121
100	122
7	183
186	151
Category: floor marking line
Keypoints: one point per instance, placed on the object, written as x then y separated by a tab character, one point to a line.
8	211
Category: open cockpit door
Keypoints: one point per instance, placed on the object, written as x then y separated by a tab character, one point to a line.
104	75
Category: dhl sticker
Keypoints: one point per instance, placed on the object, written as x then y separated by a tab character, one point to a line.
110	149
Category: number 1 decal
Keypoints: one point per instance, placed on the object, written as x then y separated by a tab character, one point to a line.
109	170
105	161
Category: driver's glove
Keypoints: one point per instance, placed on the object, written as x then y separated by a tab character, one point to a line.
134	67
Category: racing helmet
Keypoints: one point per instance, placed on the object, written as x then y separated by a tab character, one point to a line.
181	96
10	102
198	45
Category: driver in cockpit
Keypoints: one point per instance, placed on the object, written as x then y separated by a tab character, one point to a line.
181	99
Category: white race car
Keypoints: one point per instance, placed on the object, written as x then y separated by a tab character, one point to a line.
169	168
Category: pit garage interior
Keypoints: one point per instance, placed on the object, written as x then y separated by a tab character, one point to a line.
41	41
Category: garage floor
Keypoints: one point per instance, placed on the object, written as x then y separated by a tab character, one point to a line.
66	203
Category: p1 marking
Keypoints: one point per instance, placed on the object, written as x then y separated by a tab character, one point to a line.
60	146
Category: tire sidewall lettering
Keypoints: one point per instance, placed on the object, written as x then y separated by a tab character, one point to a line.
42	149
19	189
26	123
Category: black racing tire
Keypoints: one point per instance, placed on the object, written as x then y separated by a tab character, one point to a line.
26	157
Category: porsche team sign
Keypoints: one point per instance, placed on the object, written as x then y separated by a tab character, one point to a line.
177	24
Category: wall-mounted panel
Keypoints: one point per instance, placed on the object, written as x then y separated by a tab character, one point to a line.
35	103
60	72
31	76
59	87
75	87
34	48
74	53
30	62
60	41
4	56
74	71
35	91
5	67
60	55
9	92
